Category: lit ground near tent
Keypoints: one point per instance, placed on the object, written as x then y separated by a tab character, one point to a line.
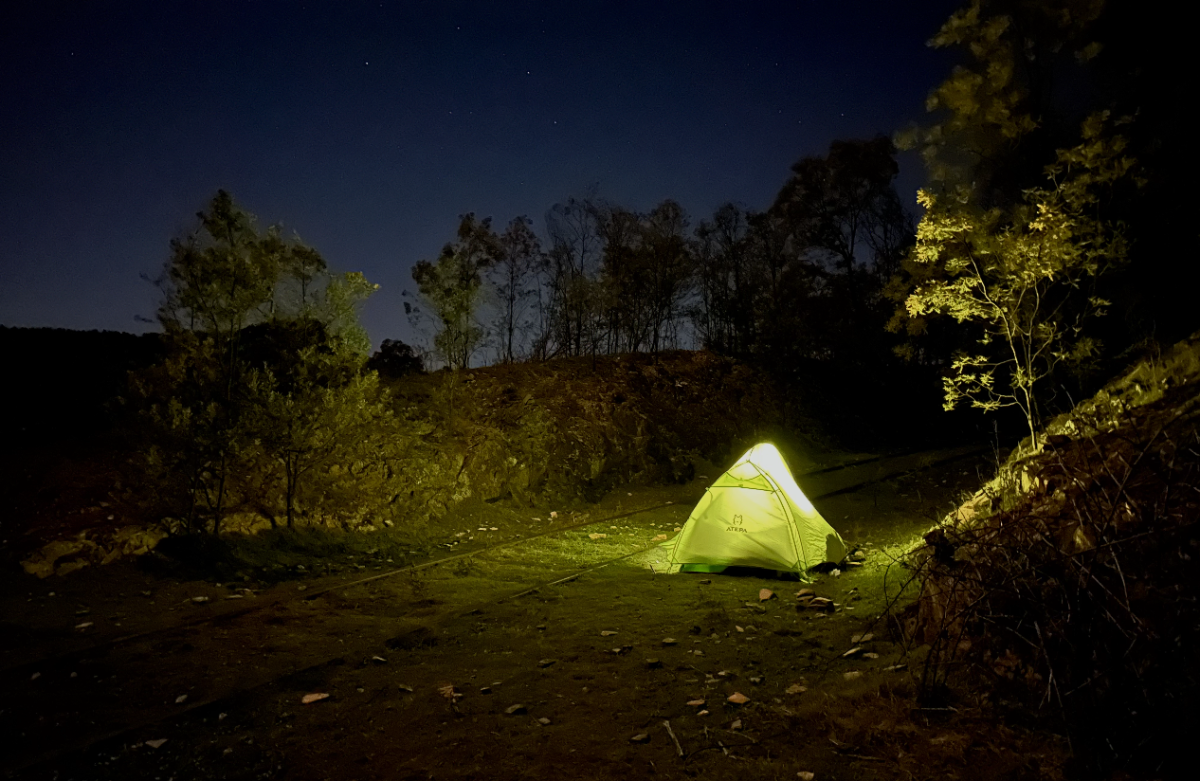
451	670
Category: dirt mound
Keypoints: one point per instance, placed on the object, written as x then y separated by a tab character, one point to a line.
570	430
559	433
1070	584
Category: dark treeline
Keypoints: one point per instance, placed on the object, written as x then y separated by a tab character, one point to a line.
799	290
803	279
68	379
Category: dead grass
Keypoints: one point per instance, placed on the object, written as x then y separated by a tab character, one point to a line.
1069	588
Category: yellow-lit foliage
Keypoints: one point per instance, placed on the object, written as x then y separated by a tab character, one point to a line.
1024	275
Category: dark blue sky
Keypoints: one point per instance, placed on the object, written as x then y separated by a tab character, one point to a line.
368	127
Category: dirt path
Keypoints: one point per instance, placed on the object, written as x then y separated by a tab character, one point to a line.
585	661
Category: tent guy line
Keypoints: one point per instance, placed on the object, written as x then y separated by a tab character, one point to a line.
85	741
283	599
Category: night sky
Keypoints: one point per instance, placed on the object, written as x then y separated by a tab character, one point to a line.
368	127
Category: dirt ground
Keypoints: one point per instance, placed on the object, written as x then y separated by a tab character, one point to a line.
476	668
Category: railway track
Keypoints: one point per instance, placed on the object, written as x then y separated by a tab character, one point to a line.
99	696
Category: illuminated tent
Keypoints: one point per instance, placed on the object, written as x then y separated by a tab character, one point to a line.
755	515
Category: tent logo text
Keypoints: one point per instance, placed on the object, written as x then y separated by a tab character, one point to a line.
736	525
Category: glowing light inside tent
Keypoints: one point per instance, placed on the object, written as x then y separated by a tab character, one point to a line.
755	515
767	457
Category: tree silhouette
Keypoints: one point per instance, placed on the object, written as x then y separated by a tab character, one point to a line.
514	276
262	374
453	286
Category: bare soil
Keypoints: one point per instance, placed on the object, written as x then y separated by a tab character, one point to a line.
477	668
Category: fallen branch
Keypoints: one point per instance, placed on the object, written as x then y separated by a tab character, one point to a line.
671	732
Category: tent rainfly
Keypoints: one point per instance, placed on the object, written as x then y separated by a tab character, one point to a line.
755	515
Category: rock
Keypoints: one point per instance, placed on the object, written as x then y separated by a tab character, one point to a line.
852	652
659	538
84	625
765	594
485	690
756	680
737	698
739	628
806	592
641	737
378	660
806	775
705	582
607	633
597	536
870	655
696	703
156	743
653	664
669	641
514	710
309	699
858	555
199	600
544	721
547	662
895	668
404	687
736	725
702	713
853	675
864	638
183	698
795	688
